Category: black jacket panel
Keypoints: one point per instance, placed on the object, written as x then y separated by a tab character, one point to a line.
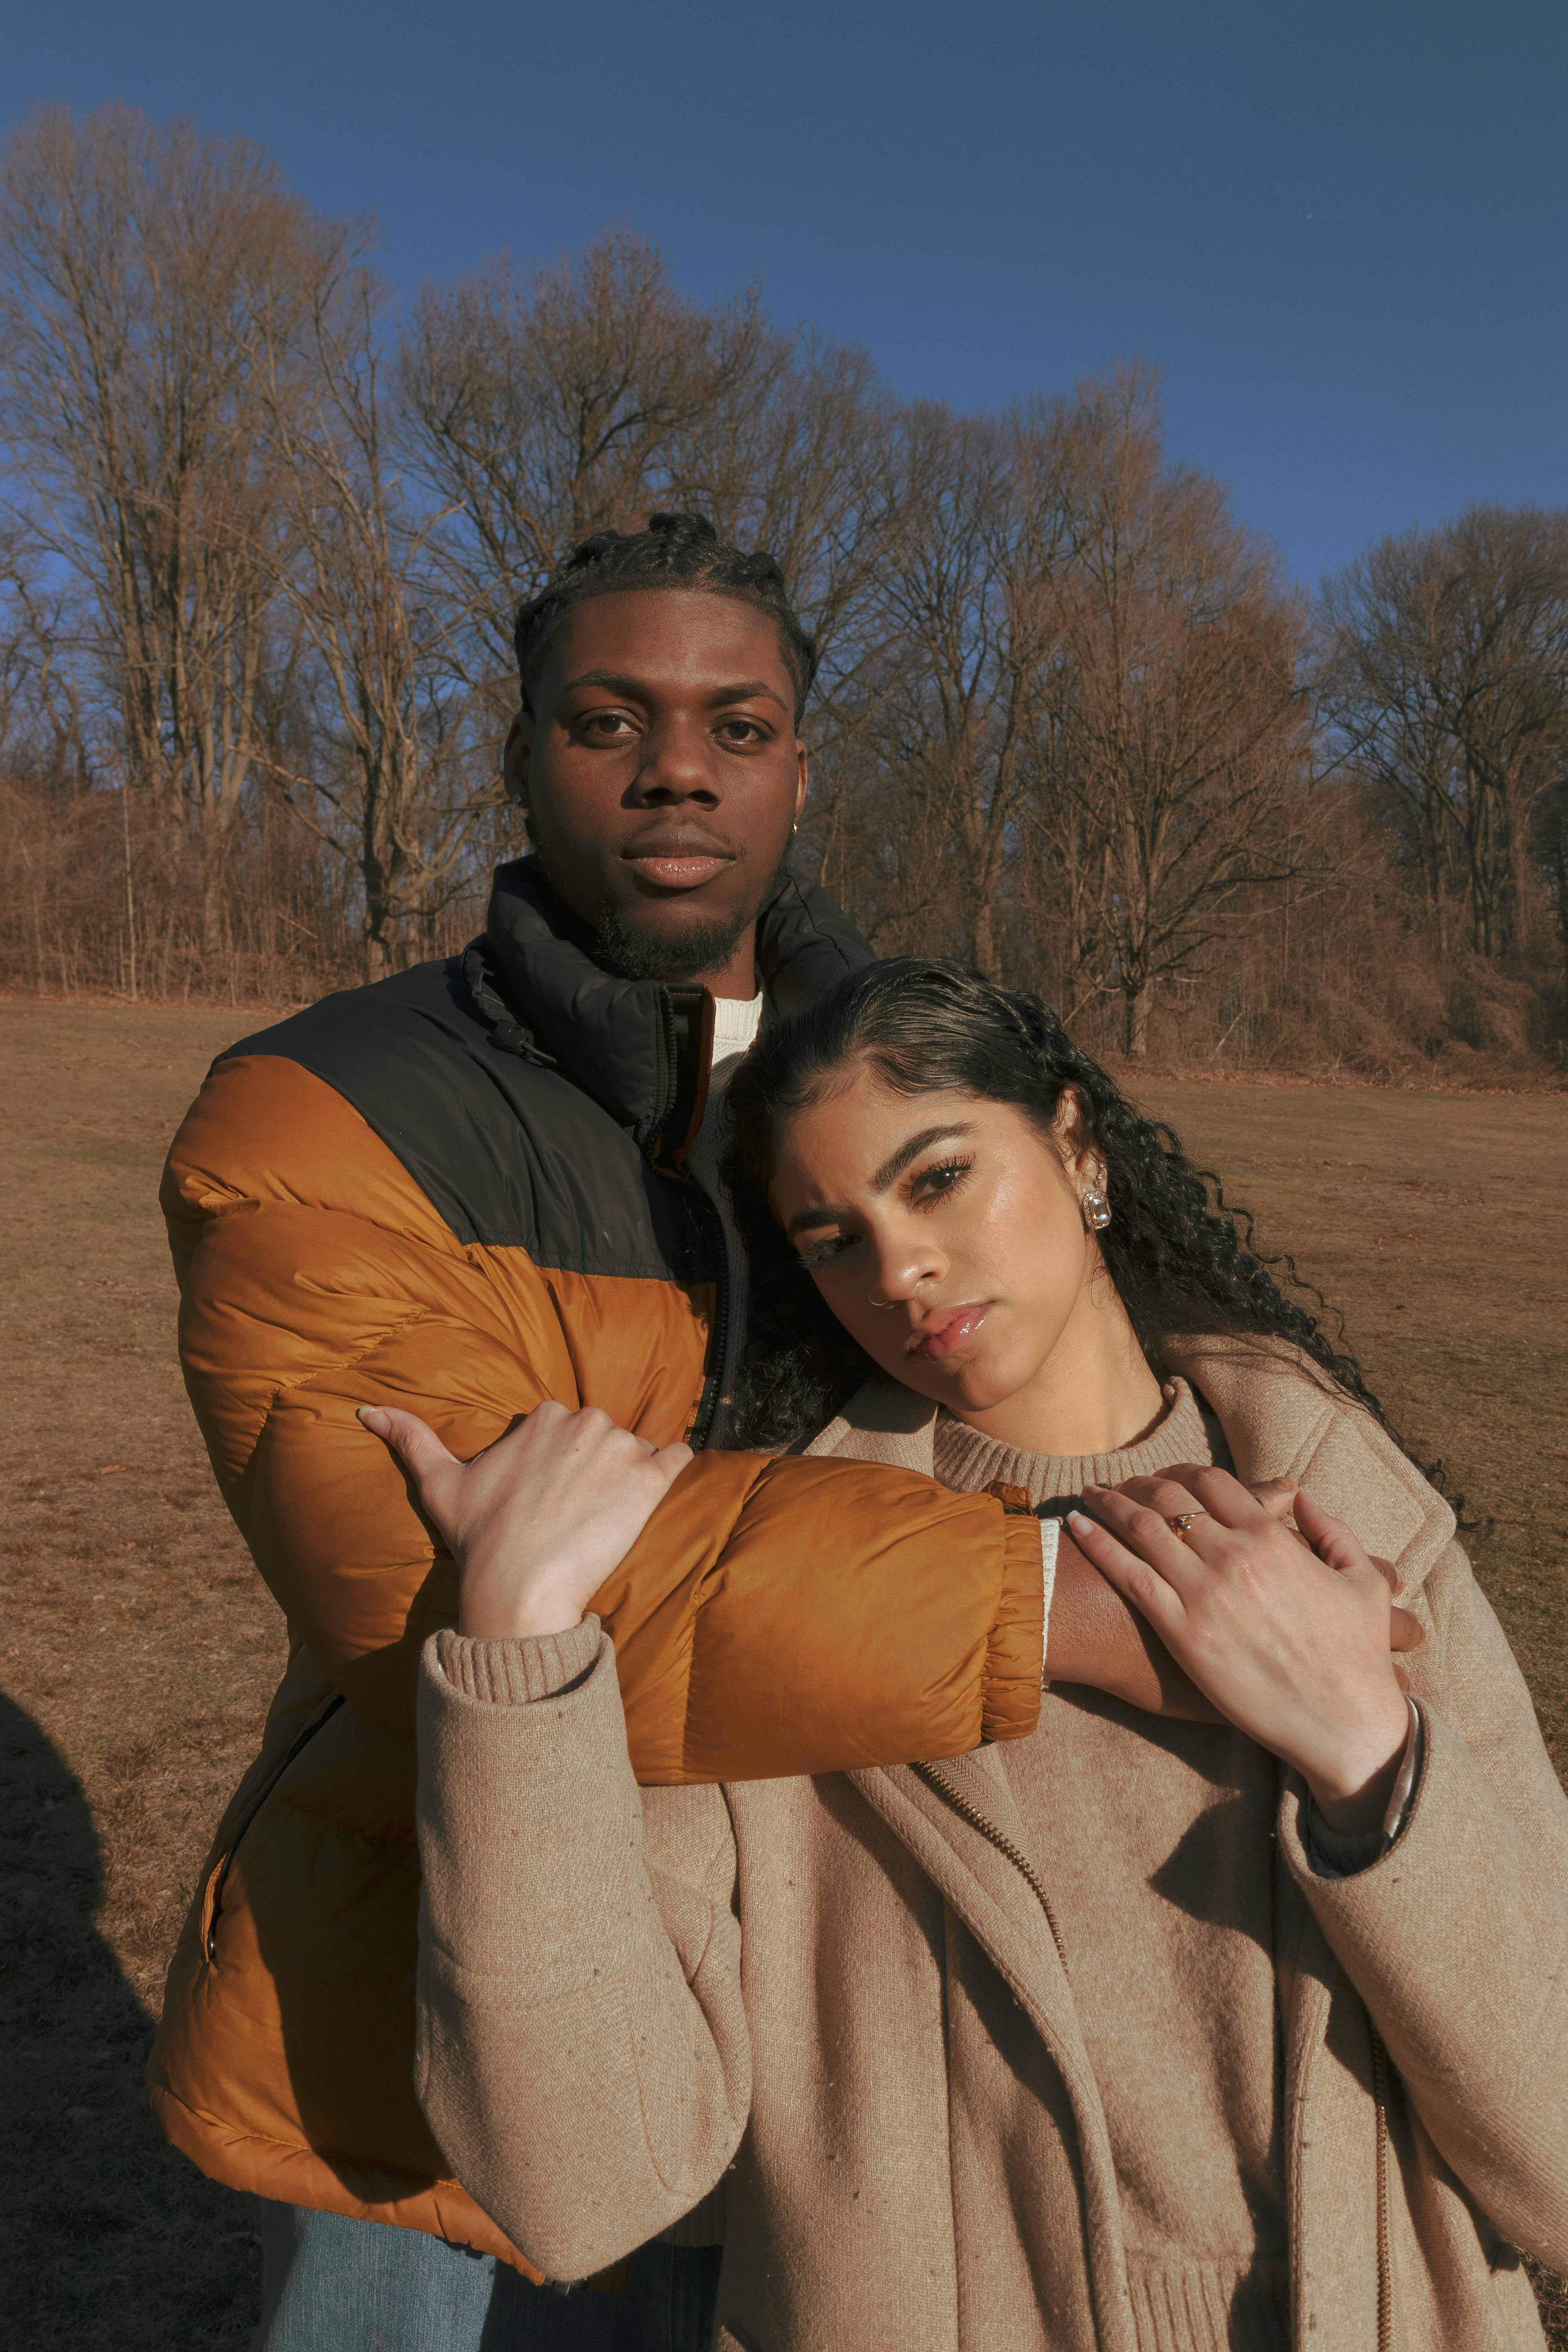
528	1092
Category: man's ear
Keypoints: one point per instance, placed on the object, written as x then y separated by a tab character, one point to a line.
514	759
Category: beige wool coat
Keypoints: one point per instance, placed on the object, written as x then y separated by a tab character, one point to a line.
846	1992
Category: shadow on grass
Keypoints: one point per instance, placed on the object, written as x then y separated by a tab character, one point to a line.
108	2239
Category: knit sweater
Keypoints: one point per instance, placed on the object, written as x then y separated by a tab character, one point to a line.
1182	2033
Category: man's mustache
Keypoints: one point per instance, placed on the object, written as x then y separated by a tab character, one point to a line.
681	841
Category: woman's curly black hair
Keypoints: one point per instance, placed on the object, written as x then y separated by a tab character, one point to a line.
675	550
1182	1260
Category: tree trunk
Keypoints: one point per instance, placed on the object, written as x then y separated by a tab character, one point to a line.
1139	1001
212	902
982	932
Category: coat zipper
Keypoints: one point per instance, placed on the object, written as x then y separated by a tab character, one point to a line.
1380	2072
304	1740
934	1778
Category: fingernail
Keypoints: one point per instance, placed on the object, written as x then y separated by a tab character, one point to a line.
1090	1488
374	1419
1078	1523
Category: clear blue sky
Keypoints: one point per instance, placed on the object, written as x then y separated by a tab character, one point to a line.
1339	228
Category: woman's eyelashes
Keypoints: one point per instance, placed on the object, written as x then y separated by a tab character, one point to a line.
928	1187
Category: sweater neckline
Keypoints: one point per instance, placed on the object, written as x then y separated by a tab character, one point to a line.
967	1461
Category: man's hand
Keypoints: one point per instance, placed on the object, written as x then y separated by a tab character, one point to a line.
539	1519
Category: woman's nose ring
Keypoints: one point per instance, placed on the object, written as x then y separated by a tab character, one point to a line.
872	1300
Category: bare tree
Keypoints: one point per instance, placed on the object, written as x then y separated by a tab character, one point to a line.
955	622
40	696
139	267
1177	719
538	410
1445	672
390	787
261	554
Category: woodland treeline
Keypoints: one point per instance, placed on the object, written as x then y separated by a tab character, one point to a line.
263	536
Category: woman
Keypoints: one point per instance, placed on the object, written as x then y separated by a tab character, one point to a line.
1165	2035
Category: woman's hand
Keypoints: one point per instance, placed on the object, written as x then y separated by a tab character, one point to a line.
539	1519
1290	1641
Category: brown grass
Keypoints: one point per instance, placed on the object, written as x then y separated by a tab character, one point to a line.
139	1651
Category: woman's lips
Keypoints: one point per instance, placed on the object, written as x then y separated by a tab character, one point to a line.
949	1330
681	870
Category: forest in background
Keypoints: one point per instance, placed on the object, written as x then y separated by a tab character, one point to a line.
263	536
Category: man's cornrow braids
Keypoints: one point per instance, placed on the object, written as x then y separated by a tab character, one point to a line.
674	550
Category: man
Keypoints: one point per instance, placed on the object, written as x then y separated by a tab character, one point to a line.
466	1190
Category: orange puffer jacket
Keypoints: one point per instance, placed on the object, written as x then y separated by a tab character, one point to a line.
461	1191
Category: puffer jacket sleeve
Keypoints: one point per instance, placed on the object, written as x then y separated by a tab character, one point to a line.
1457	1940
581	2053
776	1617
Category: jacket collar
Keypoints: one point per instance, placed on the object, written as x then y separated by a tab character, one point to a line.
634	1044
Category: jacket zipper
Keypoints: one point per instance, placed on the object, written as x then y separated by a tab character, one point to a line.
303	1741
934	1778
690	1040
1380	2072
714	1385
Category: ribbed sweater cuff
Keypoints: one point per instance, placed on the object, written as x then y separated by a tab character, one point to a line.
514	1673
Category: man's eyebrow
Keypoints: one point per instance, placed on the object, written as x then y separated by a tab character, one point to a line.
632	686
638	689
748	690
889	1173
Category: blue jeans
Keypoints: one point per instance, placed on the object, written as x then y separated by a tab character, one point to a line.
333	2285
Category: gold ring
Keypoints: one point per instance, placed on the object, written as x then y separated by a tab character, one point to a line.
1182	1521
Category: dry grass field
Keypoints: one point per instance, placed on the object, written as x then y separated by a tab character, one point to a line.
139	1649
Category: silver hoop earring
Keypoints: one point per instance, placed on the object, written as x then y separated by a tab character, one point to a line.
1096	1207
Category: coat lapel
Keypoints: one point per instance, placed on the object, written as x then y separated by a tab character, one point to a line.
972	1871
1276	1427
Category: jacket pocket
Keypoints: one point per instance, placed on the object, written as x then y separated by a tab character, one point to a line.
212	1906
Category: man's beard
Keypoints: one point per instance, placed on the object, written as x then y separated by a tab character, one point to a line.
625	948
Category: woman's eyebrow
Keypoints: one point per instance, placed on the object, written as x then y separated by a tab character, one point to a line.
889	1173
893	1167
